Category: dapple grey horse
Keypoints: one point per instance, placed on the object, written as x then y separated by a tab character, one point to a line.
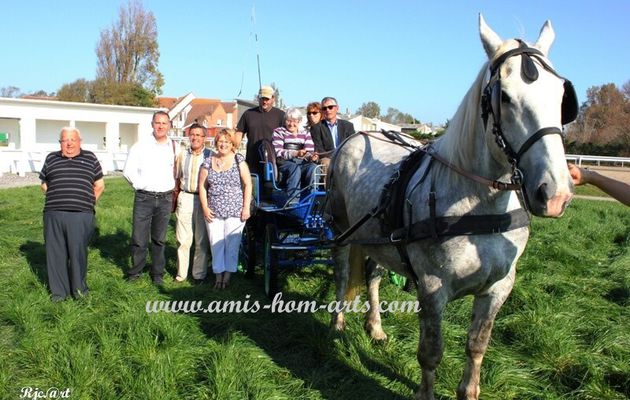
508	129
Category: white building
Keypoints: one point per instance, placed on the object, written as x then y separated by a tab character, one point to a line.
362	123
29	130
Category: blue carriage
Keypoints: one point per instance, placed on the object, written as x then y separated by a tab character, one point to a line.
285	232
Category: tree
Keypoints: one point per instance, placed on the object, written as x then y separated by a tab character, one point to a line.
128	52
370	110
604	119
78	91
10	91
106	92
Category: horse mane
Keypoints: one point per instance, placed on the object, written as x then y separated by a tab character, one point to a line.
457	143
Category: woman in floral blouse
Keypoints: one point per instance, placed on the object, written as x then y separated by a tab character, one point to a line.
225	193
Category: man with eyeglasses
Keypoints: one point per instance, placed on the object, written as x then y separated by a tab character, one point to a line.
150	170
258	124
330	131
72	180
190	221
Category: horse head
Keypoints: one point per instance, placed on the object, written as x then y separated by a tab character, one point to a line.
525	103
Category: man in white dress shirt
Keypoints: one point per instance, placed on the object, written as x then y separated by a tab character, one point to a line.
149	169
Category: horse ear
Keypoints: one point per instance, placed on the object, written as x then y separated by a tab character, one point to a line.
490	40
546	38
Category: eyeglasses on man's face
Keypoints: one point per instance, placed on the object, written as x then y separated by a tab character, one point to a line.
71	140
330	107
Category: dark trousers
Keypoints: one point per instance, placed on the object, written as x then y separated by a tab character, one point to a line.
67	235
151	213
295	171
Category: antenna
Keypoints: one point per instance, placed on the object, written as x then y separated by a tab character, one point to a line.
256	38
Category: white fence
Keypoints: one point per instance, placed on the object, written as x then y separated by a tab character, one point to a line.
598	160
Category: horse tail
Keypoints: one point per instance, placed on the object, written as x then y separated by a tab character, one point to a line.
356	273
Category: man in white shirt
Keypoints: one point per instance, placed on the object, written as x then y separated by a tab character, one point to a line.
149	169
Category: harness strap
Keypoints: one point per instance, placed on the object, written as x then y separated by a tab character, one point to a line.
454	226
484	181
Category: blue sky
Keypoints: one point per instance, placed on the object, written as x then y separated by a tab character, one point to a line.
417	56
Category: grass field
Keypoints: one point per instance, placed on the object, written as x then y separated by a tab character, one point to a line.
564	333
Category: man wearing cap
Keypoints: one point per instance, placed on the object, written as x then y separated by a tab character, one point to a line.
258	124
330	131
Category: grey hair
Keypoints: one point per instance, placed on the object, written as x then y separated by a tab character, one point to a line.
328	98
293	113
69	129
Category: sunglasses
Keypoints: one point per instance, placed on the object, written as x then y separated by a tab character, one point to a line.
329	107
313	112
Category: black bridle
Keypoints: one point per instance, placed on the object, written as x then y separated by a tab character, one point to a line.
491	104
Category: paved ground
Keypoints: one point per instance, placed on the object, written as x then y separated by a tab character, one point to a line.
32	178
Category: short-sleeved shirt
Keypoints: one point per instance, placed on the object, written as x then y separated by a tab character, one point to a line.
258	125
70	181
224	188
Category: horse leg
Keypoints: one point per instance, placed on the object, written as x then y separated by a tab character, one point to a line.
485	309
340	256
431	346
372	325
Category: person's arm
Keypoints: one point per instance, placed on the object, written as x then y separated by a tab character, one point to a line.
44	187
130	170
99	187
203	193
246	179
617	189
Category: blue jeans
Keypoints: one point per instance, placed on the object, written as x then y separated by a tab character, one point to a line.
294	171
151	213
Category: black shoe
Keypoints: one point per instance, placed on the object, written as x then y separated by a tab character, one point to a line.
57	299
131	278
198	282
157	280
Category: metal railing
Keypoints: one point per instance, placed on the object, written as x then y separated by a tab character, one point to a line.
598	160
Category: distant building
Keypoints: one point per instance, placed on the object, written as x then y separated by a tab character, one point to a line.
30	130
362	123
214	114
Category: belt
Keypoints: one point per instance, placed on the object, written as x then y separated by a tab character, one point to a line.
155	194
186	191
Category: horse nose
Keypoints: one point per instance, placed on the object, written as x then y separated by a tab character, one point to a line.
554	202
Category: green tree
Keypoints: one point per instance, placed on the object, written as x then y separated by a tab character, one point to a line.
10	91
128	52
370	110
78	91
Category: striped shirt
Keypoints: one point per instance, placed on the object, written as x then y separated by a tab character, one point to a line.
187	168
70	181
282	136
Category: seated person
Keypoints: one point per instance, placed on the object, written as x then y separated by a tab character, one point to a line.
294	150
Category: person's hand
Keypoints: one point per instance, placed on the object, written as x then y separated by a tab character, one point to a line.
208	215
301	153
245	214
577	174
314	157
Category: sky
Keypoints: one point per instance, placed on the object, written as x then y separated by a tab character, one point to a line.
417	56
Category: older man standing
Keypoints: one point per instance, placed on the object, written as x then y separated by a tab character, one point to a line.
258	124
72	180
149	169
190	221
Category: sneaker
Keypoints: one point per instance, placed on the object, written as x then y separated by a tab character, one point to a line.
157	280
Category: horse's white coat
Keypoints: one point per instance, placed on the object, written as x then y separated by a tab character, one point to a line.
450	267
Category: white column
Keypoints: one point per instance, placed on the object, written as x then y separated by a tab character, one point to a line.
112	135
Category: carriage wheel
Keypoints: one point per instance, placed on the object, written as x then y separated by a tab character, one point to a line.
270	261
248	249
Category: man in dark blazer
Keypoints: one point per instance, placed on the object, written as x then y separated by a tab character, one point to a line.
330	131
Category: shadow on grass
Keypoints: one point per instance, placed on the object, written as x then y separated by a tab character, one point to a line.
35	254
298	342
116	248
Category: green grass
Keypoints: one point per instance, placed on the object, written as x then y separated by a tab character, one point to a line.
564	333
